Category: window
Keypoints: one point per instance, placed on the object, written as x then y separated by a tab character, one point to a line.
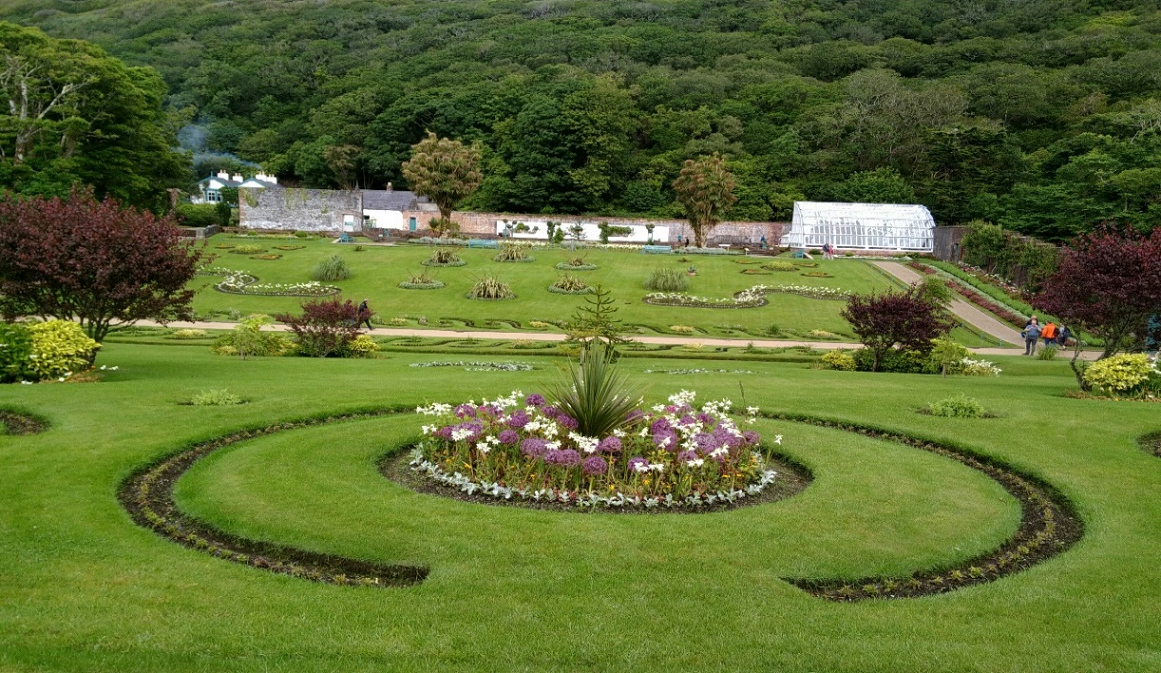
213	196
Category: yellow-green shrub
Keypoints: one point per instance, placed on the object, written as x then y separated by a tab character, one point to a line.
60	347
1120	374
361	346
839	359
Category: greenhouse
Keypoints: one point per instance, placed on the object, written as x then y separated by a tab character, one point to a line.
861	226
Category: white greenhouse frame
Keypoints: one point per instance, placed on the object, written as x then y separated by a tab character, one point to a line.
861	226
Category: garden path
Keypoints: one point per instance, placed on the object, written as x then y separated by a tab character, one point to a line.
542	336
963	310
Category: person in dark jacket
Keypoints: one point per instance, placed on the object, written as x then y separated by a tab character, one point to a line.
364	315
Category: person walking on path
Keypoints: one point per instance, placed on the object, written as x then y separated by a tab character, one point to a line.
1049	334
1031	335
364	315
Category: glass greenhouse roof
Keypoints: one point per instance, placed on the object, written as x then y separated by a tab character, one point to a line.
861	226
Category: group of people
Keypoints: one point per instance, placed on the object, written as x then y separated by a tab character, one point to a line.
1053	335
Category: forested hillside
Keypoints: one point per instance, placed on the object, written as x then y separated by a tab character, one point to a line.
1043	115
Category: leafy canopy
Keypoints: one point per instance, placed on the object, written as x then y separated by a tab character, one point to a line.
92	261
705	188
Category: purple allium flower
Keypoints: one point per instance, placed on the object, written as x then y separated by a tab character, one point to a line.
751	437
638	464
533	447
634	415
595	465
567	421
465	410
490	410
686	456
610	444
705	418
518	419
549	411
705	442
687	420
509	437
660	425
535	400
666	439
445	432
563	457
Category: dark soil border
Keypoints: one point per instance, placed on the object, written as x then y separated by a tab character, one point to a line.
20	424
792	479
1151	443
1049	525
148	497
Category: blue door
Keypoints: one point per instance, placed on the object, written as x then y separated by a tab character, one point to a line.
411	223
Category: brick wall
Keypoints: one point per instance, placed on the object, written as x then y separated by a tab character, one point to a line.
299	209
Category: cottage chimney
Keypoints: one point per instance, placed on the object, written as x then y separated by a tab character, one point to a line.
389	187
237	177
223	175
272	179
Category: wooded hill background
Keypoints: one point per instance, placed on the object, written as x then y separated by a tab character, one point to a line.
1041	115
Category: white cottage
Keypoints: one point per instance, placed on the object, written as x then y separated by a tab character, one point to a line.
210	188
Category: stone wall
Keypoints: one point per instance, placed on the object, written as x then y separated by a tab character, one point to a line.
483	225
947	243
299	209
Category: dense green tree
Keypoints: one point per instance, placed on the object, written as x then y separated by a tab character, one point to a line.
70	114
1041	115
705	188
445	171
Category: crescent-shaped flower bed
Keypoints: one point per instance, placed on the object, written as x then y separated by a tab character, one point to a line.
431	285
566	266
752	297
239	282
523	448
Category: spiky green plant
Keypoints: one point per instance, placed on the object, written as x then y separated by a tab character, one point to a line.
570	283
444	257
510	252
666	280
598	396
490	287
332	269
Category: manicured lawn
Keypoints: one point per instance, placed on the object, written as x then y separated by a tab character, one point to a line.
83	588
378	271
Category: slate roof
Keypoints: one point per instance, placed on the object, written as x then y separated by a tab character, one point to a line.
380	199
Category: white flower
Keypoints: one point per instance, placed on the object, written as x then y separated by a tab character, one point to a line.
778	439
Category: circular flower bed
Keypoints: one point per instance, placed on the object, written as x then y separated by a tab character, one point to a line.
432	285
519	447
565	266
559	290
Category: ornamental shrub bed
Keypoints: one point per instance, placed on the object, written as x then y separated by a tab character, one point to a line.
54	349
525	448
421	280
269	256
779	266
490	288
569	284
444	257
247	250
749	298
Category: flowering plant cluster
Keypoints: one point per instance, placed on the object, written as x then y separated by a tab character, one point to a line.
476	366
698	371
526	448
970	367
751	297
239	282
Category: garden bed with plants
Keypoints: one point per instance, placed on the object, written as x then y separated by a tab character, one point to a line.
239	282
18	423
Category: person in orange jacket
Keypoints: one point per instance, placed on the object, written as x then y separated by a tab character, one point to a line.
1048	333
